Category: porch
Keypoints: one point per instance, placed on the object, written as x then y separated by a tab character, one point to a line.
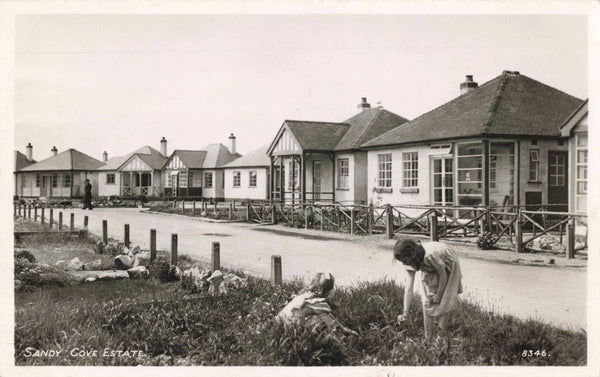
135	183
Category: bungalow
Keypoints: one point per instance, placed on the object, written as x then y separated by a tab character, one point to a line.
248	176
576	129
324	160
498	144
62	175
137	173
198	173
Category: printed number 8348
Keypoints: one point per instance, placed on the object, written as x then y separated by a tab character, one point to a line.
536	353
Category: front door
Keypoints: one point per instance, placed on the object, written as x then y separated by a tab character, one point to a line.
317	180
45	189
175	183
443	181
558	192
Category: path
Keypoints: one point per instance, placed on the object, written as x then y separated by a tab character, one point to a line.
553	294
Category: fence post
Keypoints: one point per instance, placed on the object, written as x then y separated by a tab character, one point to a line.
216	204
321	216
152	245
518	233
215	257
570	250
72	225
293	219
370	218
85	223
51	221
105	231
15	209
273	215
352	220
233	204
194	208
248	213
183	207
174	203
60	221
276	270
433	226
29	211
230	211
389	221
35	213
43	213
174	249
126	235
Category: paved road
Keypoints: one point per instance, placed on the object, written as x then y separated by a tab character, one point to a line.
552	294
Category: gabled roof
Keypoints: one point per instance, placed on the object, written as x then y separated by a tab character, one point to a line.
21	161
509	105
255	158
149	155
574	118
191	159
367	125
217	155
317	135
71	159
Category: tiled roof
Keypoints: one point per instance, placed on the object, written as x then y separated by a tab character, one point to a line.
367	125
317	135
191	159
21	161
71	159
217	155
255	158
148	154
510	104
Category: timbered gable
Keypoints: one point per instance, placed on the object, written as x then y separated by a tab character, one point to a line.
286	144
175	164
136	164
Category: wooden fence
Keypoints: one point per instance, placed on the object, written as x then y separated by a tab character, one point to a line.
505	227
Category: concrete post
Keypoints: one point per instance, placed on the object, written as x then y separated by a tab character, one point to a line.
51	222
433	226
60	221
35	214
152	245
43	215
105	231
29	211
174	249
126	235
85	223
215	258
570	250
276	278
72	225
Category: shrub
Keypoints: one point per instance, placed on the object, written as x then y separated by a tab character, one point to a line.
25	255
486	241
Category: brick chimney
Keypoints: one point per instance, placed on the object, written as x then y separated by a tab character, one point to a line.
29	152
363	105
104	156
163	146
468	85
232	143
54	151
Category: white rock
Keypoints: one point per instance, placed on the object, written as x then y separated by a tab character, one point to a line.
123	262
142	259
139	272
90	279
75	265
93	265
61	264
137	249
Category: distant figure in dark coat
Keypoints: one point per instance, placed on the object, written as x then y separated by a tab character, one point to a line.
87	199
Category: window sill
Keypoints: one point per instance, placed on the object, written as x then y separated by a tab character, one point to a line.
409	190
386	190
535	182
342	189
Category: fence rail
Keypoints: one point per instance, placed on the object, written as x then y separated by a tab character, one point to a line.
512	227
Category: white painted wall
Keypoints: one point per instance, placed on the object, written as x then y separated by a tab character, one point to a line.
105	189
217	190
260	192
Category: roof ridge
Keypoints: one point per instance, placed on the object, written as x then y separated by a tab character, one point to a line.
314	121
551	87
495	102
377	114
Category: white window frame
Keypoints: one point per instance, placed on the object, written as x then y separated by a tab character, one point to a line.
38	180
54	180
534	165
252	178
208	179
237	179
384	170
343	172
581	164
410	169
108	175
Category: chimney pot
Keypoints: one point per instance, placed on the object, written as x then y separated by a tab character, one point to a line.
468	85
163	146
29	153
363	104
232	148
54	151
104	156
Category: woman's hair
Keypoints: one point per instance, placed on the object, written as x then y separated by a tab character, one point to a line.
409	248
322	284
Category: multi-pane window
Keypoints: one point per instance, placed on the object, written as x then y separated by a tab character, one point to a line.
208	179
343	172
384	170
66	180
237	179
556	174
581	162
252	178
38	180
54	180
168	180
534	165
183	179
110	178
410	169
469	174
293	176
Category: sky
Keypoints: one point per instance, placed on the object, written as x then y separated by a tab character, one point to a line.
119	82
